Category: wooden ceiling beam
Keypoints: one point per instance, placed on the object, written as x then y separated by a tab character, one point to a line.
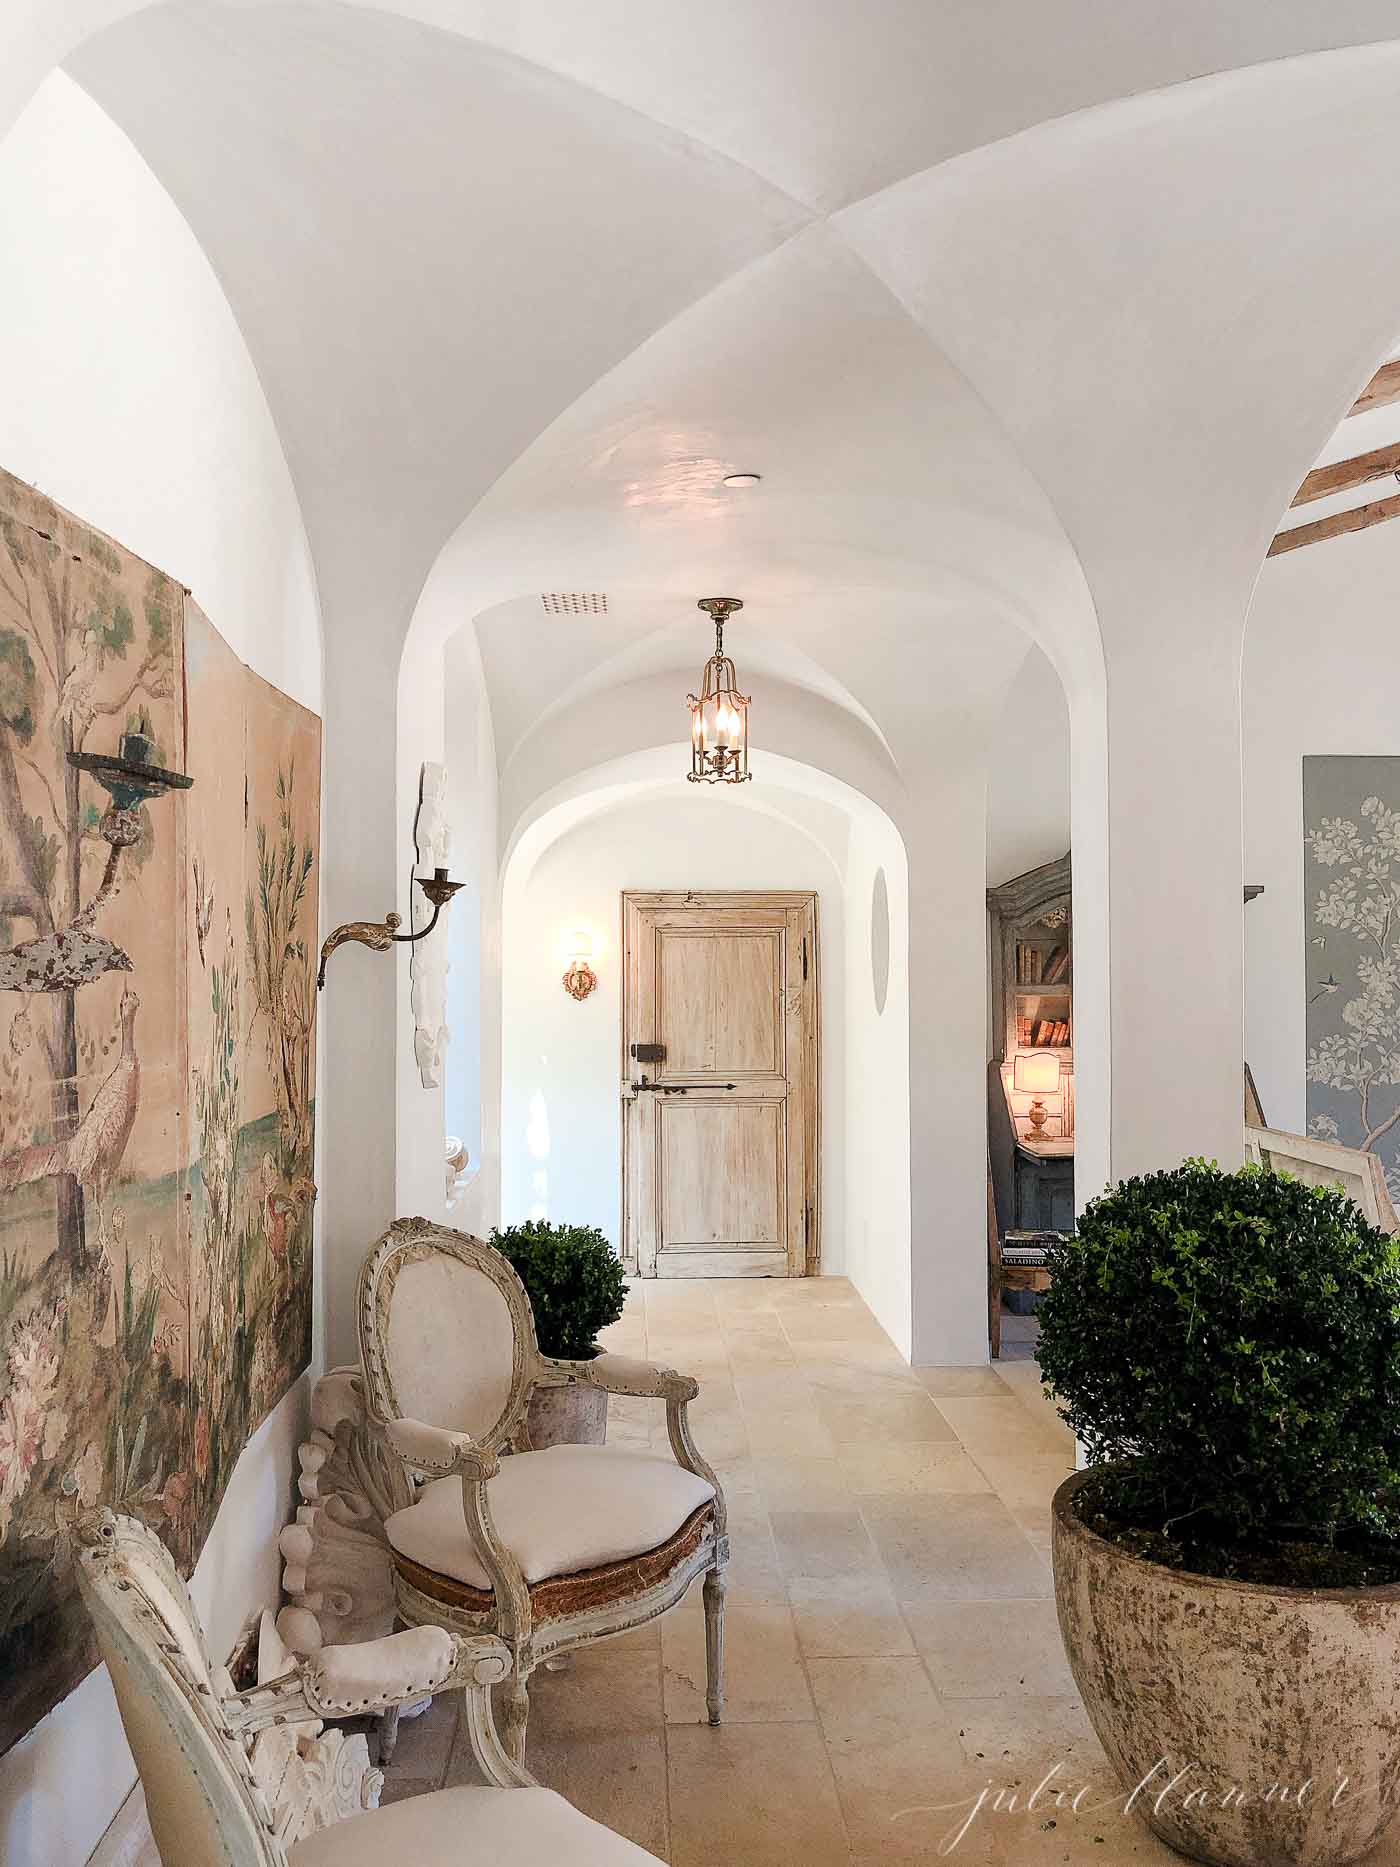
1383	387
1337	524
1379	464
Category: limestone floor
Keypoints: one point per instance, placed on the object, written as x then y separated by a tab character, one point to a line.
892	1647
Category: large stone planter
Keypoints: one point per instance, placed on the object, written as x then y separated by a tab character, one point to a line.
1264	1723
573	1415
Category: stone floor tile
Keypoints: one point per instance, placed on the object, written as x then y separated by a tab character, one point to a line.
880	1357
909	1470
899	1764
796	1481
824	1545
754	1796
620	1781
798	1431
606	1689
899	1415
1025	1480
889	1377
833	1322
960	1383
765	1682
953	1548
425	1742
1030	1740
855	1617
772	1390
1004	1648
996	1424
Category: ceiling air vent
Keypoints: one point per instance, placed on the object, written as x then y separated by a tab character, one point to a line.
575	603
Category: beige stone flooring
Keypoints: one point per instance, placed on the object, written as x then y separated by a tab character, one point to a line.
893	1653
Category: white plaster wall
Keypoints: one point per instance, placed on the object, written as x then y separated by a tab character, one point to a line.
1320	676
444	714
560	1148
130	398
1028	774
876	1089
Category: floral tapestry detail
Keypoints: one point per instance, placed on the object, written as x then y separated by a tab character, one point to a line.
1352	887
93	1369
156	1071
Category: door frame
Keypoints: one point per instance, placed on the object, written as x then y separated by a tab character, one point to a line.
807	1075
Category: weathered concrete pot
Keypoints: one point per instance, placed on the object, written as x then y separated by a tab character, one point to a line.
1247	1689
576	1415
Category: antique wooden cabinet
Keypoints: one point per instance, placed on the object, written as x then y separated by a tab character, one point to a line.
1030	949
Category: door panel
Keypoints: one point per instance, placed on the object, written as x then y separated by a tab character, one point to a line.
720	1130
723	1170
719	1000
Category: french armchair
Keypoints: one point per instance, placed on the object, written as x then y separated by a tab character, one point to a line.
191	1733
548	1550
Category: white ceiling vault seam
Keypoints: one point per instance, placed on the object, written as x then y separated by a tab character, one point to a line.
475	223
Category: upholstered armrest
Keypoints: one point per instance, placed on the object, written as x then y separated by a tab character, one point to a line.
434	1449
625	1374
368	1676
371	1675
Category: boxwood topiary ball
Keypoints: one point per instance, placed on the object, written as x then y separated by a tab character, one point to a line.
1236	1336
574	1280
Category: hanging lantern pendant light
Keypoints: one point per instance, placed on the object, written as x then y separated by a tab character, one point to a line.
719	714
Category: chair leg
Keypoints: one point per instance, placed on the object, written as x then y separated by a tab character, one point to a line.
388	1734
517	1716
715	1588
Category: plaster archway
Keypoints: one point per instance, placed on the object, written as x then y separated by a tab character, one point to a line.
566	864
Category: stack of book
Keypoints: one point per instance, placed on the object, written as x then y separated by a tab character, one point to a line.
1034	966
1042	1033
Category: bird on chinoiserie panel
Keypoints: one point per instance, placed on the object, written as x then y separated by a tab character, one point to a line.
93	1152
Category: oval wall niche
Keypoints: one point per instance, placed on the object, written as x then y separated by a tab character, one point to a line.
880	939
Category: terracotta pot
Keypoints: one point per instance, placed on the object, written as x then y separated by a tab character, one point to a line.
576	1415
1247	1689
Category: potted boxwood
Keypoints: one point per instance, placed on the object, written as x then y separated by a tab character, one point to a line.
576	1287
1227	1569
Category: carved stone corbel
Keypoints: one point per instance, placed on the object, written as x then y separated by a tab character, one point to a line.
337	1569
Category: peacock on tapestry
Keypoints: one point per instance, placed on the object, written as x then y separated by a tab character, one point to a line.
155	1189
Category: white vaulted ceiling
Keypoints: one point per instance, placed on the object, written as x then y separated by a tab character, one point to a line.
1017	309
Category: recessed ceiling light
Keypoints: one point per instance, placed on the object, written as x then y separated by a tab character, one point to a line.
742	479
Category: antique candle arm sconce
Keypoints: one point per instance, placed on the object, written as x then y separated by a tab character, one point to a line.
379	936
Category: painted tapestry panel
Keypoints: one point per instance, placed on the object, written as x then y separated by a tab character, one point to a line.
93	1368
1351	887
156	1054
252	925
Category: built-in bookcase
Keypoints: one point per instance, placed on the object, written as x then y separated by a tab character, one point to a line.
1032	955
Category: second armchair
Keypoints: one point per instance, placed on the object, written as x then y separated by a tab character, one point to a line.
549	1550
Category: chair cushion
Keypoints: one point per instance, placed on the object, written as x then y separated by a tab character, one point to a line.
561	1510
471	1828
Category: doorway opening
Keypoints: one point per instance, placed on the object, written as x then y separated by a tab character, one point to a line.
720	1055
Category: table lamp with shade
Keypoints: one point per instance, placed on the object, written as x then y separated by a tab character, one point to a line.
1036	1073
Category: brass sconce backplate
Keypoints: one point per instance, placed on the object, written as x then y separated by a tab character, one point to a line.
580	980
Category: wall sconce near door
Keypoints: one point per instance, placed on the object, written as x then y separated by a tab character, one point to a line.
379	936
580	978
1036	1073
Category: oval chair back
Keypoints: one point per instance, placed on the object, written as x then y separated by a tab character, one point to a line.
205	1808
446	1333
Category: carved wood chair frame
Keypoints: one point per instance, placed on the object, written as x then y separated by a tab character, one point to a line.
563	1613
202	1779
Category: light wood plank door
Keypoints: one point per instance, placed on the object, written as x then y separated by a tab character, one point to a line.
720	1123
